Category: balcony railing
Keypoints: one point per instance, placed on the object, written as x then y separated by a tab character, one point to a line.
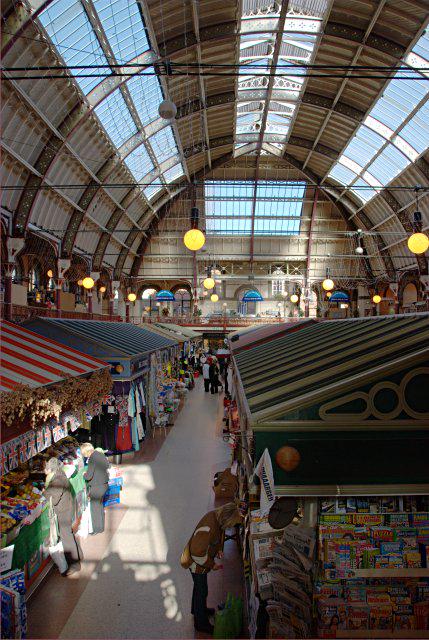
21	313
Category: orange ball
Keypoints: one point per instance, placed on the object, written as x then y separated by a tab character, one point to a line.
288	458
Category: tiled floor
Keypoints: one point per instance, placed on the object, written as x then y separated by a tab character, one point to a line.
132	585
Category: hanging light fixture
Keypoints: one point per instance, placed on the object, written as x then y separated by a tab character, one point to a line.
418	242
209	283
359	249
329	294
328	284
132	297
376	299
294	298
103	289
50	273
80	282
214	297
88	282
194	239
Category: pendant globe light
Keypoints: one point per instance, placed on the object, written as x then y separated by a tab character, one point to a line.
88	282
209	283
214	297
294	298
194	239
328	284
418	242
132	297
376	299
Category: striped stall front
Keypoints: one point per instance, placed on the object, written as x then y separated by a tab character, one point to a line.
33	360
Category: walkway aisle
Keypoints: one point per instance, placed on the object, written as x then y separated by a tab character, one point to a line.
138	589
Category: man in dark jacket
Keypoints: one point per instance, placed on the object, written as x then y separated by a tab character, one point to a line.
97	478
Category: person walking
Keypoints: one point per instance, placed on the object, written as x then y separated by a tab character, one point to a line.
206	376
97	478
202	362
199	556
214	376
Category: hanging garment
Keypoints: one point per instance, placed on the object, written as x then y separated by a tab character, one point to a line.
131	404
139	409
123	437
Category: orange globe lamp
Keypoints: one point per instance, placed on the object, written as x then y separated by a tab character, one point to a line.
194	239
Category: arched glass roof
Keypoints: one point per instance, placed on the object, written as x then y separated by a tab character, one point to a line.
394	133
115	34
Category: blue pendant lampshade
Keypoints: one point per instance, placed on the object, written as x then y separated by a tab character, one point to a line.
339	296
252	296
165	296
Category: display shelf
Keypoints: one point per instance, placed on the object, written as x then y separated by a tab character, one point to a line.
384	633
391	573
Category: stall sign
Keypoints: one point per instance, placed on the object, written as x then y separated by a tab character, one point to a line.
138	365
6	555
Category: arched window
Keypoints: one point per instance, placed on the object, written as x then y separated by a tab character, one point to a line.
34	278
149	300
182	304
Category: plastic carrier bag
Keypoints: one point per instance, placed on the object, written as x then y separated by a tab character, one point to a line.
229	621
85	526
57	554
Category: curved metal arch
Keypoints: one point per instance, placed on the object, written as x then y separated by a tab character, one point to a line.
222	161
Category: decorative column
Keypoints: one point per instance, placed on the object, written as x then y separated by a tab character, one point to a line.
62	265
14	246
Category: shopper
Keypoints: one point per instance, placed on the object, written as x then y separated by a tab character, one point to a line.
97	478
205	545
57	488
203	361
206	376
214	376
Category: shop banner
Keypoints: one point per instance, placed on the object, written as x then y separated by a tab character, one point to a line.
264	471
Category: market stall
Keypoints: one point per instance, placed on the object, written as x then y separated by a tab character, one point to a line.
320	409
143	365
47	392
247	339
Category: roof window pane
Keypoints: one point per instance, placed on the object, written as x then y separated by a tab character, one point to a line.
341	174
115	117
363	146
163	144
399	98
146	93
139	162
70	30
123	26
388	164
152	190
416	131
173	173
365	193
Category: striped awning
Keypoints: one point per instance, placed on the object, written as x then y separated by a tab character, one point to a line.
36	361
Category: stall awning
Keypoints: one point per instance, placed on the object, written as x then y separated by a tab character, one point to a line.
104	339
34	360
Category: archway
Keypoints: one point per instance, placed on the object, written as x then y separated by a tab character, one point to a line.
148	297
409	296
246	308
182	303
387	305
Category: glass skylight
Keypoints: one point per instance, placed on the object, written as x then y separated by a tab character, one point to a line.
69	28
123	27
173	173
395	132
146	93
151	191
68	24
163	144
298	45
229	207
139	163
116	118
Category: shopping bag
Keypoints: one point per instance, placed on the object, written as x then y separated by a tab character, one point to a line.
223	625
57	554
85	526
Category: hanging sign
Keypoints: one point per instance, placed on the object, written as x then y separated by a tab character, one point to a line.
264	470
